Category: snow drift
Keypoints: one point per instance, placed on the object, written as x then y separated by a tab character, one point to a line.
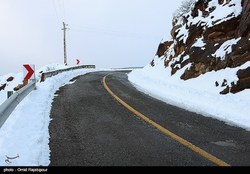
205	66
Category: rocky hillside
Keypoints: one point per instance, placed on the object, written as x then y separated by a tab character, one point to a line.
214	35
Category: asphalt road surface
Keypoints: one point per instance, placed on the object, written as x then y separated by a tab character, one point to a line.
90	127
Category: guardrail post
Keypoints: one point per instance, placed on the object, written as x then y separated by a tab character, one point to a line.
9	93
34	80
10	104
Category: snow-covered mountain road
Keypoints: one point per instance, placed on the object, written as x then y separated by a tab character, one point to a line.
90	127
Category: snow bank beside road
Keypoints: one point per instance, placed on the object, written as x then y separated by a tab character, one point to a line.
26	131
198	95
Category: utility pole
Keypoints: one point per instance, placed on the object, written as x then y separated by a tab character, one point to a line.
64	42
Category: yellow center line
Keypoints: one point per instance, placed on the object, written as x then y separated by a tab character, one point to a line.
184	142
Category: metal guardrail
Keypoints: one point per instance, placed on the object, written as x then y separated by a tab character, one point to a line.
53	73
10	104
127	68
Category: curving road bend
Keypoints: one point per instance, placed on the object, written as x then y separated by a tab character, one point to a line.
90	127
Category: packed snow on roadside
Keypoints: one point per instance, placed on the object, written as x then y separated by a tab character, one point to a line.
198	95
18	79
25	133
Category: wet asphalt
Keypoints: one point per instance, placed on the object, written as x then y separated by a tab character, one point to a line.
90	128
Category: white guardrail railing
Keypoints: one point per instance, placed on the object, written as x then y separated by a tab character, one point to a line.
53	73
10	104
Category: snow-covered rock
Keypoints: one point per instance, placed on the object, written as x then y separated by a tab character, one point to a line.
214	35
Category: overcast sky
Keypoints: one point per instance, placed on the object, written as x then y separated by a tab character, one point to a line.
107	33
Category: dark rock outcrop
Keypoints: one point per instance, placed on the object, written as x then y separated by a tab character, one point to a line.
2	87
204	34
10	79
163	47
243	82
19	86
244	27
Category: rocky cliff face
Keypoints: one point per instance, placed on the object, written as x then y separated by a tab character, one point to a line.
214	35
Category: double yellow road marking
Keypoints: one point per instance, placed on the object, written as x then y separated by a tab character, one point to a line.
184	142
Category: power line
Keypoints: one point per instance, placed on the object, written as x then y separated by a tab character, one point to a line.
64	11
115	33
60	10
59	6
56	12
